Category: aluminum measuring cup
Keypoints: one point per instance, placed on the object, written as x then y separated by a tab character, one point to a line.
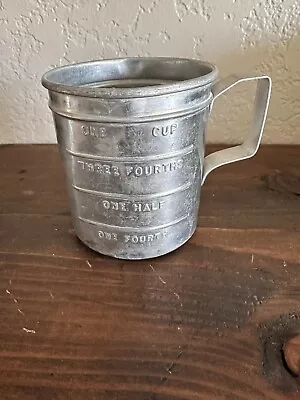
132	136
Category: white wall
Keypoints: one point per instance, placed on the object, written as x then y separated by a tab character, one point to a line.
238	35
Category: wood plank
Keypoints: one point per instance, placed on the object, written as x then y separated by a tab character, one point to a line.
207	321
37	186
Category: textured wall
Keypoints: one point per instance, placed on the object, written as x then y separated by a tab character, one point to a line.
238	35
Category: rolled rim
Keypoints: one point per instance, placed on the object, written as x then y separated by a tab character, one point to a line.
78	79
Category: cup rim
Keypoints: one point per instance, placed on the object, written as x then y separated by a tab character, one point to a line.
53	79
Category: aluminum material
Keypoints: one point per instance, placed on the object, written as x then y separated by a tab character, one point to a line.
132	136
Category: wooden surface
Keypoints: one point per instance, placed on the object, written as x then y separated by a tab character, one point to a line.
208	321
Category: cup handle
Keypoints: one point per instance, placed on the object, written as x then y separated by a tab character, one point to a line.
251	143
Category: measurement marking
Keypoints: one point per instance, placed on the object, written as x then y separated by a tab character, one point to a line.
132	229
182	152
133	197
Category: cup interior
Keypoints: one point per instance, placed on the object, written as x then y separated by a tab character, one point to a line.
130	73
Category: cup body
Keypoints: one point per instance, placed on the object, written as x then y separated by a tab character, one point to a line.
132	137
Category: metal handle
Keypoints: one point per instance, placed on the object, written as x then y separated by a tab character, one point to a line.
250	146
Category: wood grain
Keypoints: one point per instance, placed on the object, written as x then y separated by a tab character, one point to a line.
208	321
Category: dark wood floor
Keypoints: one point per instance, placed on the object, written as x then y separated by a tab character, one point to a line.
208	321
